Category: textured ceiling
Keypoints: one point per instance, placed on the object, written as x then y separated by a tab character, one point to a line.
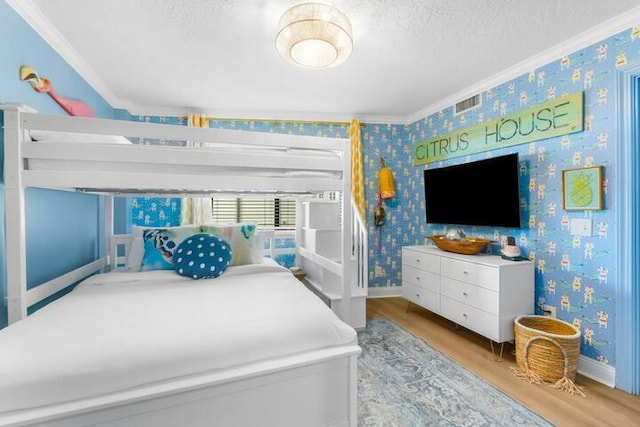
218	57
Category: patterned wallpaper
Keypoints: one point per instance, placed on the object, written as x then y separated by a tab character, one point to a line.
574	274
155	211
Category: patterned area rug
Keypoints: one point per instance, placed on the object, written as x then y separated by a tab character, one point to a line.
403	382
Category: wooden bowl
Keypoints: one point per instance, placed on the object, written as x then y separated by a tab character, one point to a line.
467	246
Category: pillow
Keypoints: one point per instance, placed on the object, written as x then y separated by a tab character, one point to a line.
136	252
56	136
245	241
138	230
159	245
202	256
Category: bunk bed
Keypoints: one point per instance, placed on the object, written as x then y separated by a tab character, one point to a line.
298	368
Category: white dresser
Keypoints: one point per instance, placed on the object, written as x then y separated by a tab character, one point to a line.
484	293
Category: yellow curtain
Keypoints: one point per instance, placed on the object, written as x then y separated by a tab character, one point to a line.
357	176
195	210
197	121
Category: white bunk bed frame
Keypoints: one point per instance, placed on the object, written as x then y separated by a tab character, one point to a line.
316	388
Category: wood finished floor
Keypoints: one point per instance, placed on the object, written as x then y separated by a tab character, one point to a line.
603	406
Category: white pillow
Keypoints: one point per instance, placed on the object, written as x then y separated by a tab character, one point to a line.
55	136
247	246
136	252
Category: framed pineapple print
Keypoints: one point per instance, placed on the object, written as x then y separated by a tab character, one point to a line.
582	188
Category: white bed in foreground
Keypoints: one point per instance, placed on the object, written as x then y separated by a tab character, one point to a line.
120	339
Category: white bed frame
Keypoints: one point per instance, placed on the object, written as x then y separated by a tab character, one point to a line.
317	388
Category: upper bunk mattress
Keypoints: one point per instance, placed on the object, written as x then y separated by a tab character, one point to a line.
121	331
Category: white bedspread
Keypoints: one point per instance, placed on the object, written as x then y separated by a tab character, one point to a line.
119	331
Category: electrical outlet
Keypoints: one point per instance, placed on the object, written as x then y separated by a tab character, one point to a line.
549	310
580	227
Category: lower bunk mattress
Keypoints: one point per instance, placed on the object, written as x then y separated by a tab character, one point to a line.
120	331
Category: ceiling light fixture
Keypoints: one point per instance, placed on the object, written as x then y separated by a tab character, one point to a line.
314	35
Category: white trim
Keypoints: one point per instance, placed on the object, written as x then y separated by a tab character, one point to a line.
36	19
385	291
581	41
289	116
597	371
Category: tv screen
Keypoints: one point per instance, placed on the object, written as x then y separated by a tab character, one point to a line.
483	192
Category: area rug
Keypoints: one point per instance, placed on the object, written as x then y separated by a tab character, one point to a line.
403	382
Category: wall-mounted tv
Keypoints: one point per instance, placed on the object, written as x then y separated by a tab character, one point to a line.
483	192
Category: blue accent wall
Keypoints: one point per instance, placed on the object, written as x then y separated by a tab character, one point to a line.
64	230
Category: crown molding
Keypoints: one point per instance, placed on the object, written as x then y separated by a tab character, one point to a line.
290	116
36	19
41	25
593	35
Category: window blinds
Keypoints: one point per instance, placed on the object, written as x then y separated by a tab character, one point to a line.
266	212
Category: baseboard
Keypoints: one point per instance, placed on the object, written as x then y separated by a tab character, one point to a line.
386	291
597	371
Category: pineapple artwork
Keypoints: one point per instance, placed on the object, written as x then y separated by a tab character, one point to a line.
581	194
582	188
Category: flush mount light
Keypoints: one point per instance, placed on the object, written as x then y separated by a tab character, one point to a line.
314	35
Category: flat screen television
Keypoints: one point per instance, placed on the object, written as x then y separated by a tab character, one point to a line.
483	192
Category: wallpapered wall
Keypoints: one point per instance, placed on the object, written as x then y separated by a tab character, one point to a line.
574	274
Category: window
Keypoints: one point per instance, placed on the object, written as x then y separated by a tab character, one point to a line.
266	212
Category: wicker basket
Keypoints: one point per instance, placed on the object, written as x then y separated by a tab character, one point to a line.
468	246
548	349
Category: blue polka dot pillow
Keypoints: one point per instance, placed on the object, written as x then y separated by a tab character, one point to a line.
202	256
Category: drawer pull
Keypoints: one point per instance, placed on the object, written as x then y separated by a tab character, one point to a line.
417	259
464	294
418	295
417	277
464	315
465	272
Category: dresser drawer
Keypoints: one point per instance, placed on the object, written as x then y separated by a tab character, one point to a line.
421	260
423	297
424	279
477	274
476	296
471	318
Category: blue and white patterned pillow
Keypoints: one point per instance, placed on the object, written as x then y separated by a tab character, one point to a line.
202	256
161	243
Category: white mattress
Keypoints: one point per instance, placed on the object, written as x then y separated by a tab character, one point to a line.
119	331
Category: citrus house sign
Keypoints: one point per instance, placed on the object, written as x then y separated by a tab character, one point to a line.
552	118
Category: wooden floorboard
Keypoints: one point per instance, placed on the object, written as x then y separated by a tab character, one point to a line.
603	405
